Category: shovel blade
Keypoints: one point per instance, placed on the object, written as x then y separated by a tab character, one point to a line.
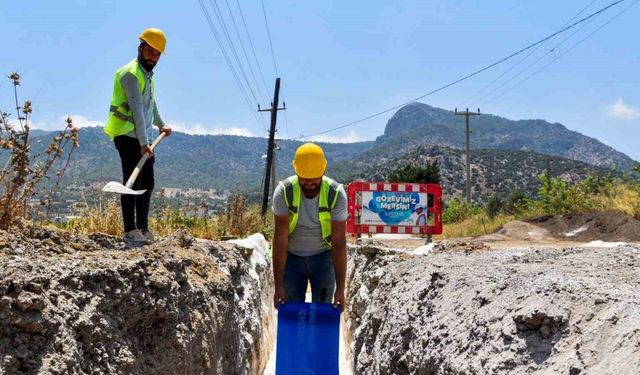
118	188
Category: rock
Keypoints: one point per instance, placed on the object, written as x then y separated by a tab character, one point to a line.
28	301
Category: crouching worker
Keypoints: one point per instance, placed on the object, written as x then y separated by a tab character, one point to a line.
309	244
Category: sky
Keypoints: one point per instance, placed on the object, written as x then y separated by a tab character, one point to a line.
339	61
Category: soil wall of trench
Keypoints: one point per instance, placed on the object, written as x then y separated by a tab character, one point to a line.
519	311
72	304
75	304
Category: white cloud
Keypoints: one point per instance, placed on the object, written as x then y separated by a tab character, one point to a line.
202	129
61	123
80	121
197	128
622	111
348	138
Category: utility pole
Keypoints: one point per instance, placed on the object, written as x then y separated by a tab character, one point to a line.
273	167
468	114
272	131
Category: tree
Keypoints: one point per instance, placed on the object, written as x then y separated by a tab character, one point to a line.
494	206
428	174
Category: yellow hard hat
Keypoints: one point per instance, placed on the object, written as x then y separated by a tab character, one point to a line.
155	38
309	161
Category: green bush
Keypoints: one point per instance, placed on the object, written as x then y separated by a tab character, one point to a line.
516	203
494	206
457	210
557	197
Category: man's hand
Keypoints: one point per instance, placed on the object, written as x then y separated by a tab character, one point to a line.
278	296
166	130
146	150
338	299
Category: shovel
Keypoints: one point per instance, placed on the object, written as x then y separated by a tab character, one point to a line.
118	188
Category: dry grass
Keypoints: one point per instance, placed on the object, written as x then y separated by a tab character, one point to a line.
476	225
624	198
239	220
104	218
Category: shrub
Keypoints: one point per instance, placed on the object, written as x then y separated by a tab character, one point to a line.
517	203
557	197
23	172
494	206
457	210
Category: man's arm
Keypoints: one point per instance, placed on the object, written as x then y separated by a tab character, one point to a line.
280	248
157	120
134	99
339	254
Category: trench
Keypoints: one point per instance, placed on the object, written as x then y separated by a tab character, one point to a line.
187	306
344	355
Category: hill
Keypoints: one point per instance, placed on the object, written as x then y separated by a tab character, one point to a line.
418	123
492	171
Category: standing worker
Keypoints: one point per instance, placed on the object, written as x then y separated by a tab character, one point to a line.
131	116
309	244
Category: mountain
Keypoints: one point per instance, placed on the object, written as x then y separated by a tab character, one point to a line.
492	171
418	123
200	161
505	154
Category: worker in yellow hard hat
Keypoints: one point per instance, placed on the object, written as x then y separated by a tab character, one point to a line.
132	115
309	243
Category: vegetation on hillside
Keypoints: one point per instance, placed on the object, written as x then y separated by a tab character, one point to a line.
555	197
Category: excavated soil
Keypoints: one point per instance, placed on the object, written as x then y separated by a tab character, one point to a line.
73	304
603	226
76	304
518	311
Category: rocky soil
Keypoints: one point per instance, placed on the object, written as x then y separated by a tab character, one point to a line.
76	304
73	304
468	310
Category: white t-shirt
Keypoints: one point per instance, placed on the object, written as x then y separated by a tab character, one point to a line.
306	238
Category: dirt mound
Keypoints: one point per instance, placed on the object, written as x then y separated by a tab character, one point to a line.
74	304
519	311
604	226
520	230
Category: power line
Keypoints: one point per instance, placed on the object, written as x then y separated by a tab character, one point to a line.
255	56
513	77
244	51
469	75
273	55
484	98
524	58
564	53
214	3
205	11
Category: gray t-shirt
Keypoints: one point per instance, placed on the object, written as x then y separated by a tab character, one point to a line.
306	240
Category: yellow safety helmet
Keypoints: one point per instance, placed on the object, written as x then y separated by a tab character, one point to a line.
309	161
155	38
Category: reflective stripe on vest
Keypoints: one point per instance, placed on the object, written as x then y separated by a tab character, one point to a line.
120	120
327	199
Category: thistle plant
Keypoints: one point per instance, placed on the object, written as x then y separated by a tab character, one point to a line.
23	172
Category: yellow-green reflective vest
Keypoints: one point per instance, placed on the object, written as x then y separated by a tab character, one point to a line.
327	199
120	120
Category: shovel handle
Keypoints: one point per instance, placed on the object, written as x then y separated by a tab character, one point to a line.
143	159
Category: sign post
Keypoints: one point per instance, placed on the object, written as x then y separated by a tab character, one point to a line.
399	208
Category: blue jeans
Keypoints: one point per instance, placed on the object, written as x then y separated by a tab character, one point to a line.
317	269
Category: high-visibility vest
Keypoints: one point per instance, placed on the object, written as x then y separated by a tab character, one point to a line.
120	120
327	199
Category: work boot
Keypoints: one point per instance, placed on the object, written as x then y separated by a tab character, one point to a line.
136	236
150	236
